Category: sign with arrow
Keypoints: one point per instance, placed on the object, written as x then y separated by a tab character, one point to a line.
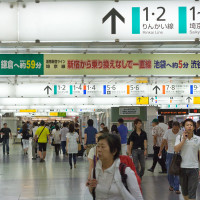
113	14
156	88
142	100
47	89
189	98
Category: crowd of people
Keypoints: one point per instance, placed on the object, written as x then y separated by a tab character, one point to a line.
111	173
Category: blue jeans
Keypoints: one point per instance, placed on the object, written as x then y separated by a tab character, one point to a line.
63	146
173	180
6	144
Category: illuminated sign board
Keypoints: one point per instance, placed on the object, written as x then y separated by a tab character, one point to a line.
173	111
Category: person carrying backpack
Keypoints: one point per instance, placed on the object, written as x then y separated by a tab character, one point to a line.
112	176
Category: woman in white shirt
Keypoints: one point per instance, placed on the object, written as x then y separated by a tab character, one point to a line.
72	145
108	183
189	145
57	139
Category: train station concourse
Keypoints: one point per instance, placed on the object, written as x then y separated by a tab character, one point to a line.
67	63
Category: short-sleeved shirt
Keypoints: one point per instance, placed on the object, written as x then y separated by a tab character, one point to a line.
123	131
64	132
72	145
43	135
91	133
171	139
138	140
6	132
189	151
159	133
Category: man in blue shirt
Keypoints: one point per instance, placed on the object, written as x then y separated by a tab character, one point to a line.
123	131
90	136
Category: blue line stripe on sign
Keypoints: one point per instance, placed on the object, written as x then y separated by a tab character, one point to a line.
191	89
104	89
182	18
55	89
135	20
84	91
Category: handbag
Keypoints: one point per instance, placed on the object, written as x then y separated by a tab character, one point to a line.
79	147
175	166
52	142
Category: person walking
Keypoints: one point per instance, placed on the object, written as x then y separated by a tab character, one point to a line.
198	128
189	146
108	183
41	135
89	136
57	139
114	130
34	141
6	132
123	131
158	134
169	139
25	138
72	145
64	132
138	147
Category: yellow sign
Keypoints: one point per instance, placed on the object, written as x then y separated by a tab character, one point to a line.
28	111
196	80
53	114
196	100
142	100
142	80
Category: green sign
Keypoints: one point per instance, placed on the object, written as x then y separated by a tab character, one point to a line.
61	114
21	64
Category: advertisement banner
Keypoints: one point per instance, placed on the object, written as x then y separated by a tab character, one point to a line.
21	64
122	64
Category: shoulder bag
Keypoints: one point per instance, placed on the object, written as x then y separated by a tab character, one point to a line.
175	166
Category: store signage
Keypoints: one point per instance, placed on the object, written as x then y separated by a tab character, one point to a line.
129	111
173	111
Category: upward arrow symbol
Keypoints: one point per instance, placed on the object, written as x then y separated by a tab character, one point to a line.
189	98
156	88
47	88
113	14
152	99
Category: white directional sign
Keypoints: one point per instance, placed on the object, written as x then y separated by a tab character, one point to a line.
187	91
106	20
100	21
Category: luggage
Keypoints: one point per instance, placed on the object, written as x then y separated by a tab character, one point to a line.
81	152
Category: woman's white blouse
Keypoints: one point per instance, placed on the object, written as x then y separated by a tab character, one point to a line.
106	187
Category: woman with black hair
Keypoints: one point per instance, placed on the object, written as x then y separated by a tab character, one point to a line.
72	144
25	138
108	182
57	139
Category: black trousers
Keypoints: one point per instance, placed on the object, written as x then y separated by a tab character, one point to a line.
57	148
156	159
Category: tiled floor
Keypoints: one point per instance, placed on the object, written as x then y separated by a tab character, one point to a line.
24	179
